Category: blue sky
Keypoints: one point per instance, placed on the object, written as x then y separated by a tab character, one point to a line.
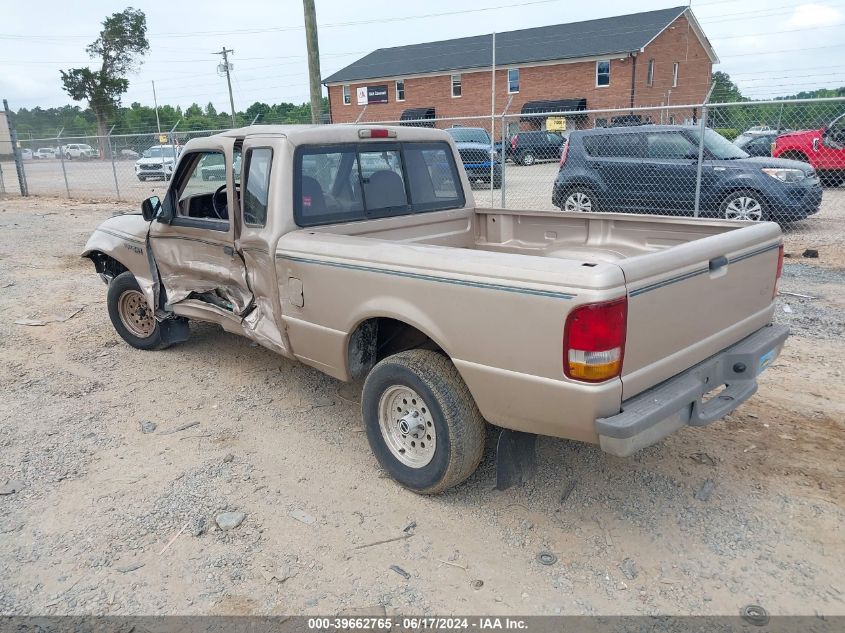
769	48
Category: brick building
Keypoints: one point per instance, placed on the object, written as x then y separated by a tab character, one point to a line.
644	59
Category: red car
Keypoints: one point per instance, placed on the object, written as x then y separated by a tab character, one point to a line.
824	149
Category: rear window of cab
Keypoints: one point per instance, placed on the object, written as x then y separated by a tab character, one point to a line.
360	181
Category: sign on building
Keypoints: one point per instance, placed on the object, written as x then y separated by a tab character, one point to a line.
556	124
371	94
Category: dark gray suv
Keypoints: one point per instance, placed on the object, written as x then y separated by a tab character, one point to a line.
653	169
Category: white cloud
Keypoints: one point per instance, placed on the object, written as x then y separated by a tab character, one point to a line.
812	15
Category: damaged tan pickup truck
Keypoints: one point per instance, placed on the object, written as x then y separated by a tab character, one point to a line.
359	251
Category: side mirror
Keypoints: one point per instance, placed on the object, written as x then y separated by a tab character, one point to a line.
150	207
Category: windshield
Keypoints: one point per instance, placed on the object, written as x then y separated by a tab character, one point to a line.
159	151
469	135
718	146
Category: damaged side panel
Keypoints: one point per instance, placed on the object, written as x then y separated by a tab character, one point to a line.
200	269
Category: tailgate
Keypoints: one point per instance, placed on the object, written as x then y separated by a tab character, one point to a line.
690	301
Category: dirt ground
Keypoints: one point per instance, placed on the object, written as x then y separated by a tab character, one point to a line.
109	519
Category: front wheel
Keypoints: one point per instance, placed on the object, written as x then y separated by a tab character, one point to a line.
528	159
132	317
421	420
745	204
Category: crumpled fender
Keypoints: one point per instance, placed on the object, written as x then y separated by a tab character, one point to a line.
123	238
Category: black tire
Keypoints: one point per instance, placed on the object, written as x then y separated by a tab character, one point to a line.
583	190
159	337
736	196
831	178
527	158
459	426
142	178
497	183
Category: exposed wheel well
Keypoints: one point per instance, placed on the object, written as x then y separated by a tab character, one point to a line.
106	265
794	154
380	337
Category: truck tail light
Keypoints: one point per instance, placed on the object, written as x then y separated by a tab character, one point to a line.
376	133
779	271
594	340
563	153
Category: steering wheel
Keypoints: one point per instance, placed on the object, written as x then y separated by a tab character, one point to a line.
220	203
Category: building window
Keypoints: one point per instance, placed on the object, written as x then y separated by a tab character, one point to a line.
603	73
513	80
456	85
675	67
347	98
649	78
400	89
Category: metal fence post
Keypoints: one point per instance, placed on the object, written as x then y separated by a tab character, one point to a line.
2	184
113	166
701	128
16	152
503	157
62	158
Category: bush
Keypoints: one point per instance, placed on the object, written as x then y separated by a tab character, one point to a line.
729	133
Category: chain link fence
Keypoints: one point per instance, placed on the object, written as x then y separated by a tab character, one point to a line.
683	160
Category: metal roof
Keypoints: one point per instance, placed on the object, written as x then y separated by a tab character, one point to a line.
591	38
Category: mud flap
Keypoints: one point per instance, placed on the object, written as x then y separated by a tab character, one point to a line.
516	458
175	330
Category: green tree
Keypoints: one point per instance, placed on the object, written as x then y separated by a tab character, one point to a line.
121	44
211	111
726	91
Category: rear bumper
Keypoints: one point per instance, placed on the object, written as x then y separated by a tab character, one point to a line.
654	414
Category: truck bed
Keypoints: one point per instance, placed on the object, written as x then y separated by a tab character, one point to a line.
693	287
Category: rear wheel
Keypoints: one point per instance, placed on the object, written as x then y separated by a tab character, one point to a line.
422	423
745	204
580	200
831	178
528	158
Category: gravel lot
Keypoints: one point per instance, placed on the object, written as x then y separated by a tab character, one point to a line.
98	501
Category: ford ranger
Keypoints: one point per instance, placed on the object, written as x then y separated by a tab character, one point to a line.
359	251
823	149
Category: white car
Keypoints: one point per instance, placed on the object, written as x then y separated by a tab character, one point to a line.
26	154
758	129
157	162
44	152
79	150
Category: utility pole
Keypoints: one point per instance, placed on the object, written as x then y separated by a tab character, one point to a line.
227	67
313	60
155	101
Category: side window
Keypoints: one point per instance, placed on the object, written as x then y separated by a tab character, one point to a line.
613	145
456	85
257	186
669	146
602	73
206	172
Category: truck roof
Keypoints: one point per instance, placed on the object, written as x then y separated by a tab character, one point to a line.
335	133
